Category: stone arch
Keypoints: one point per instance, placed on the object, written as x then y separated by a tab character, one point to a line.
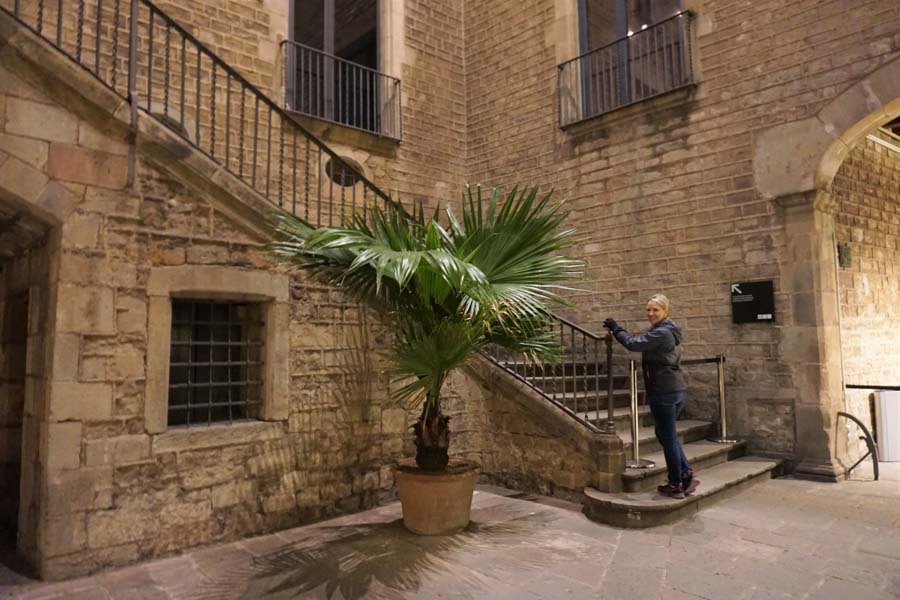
794	164
805	155
30	191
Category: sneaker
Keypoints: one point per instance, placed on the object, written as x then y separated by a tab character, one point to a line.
672	490
692	487
687	478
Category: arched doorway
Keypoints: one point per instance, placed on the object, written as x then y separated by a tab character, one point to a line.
795	165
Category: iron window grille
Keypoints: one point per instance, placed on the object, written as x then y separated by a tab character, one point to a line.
216	360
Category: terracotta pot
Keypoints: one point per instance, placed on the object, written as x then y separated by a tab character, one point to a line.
436	503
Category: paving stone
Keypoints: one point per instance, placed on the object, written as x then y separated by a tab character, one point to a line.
840	589
529	548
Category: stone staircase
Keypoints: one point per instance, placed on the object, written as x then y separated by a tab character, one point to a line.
722	468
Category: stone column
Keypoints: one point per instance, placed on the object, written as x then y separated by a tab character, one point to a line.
811	340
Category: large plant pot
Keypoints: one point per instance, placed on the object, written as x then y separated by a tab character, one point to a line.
436	503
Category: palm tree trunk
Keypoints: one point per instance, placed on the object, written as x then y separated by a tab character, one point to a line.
432	435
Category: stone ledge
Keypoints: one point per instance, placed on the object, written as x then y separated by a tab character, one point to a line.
648	509
214	436
233	282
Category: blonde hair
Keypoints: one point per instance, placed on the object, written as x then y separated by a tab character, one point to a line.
662	301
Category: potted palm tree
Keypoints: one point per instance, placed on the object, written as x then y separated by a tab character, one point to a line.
449	289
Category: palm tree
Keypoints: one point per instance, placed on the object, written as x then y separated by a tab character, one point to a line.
449	290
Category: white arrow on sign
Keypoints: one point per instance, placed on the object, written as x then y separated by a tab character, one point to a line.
735	289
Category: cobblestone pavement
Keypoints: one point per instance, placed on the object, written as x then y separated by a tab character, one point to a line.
782	539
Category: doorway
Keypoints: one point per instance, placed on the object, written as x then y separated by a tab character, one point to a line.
13	350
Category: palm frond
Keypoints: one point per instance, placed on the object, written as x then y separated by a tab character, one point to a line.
490	276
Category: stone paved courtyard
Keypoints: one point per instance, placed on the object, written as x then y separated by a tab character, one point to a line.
784	538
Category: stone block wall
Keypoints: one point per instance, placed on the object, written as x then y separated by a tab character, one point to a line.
662	192
522	441
867	190
114	493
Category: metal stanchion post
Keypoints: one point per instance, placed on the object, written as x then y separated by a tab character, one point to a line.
636	461
723	438
610	402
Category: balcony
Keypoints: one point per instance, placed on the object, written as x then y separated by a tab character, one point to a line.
330	88
648	63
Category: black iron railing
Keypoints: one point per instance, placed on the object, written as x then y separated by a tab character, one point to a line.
327	87
578	383
146	57
645	64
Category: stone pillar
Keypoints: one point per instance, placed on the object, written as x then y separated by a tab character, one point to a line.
811	339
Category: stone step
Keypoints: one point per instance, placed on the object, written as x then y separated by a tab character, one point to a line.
689	430
702	454
621	416
649	508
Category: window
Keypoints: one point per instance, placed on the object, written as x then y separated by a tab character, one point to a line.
631	50
218	343
216	362
332	66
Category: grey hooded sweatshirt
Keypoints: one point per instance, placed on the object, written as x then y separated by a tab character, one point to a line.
660	349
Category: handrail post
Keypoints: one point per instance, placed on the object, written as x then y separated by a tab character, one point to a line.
636	461
723	427
610	402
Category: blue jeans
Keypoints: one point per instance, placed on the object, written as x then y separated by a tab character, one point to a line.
665	409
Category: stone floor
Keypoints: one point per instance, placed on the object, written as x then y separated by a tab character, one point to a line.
781	539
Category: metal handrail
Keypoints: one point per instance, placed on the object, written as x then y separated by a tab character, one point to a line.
884	388
176	79
324	86
636	461
719	360
573	385
338	58
683	13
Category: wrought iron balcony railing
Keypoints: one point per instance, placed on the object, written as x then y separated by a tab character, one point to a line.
326	87
648	63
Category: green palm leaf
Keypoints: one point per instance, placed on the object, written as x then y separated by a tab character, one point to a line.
489	277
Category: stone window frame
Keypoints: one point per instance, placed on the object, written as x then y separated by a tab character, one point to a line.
272	290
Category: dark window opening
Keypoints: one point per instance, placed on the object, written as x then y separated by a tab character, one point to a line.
333	62
216	362
631	50
344	172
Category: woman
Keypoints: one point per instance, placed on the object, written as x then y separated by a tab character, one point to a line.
660	349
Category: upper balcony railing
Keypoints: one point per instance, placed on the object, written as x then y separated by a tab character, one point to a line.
648	63
327	87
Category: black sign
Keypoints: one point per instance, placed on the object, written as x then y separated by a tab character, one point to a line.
752	302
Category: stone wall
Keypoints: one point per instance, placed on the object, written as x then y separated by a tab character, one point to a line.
662	191
522	441
867	189
115	493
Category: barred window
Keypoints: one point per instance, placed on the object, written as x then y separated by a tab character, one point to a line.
216	362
